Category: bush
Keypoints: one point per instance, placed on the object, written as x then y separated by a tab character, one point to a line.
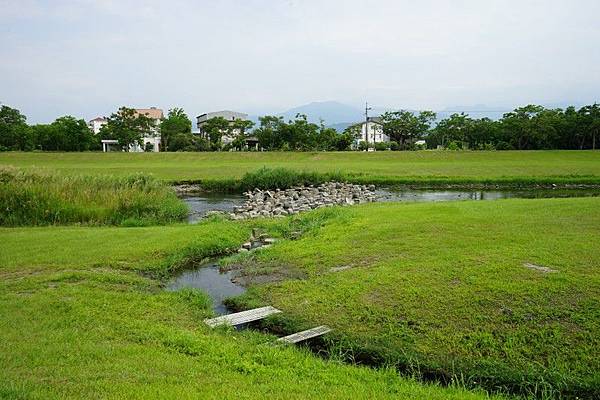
487	146
35	198
502	145
381	146
394	146
282	178
453	145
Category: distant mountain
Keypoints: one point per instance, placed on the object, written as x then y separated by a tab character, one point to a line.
341	126
331	112
474	111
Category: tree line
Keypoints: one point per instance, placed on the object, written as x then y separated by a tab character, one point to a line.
531	127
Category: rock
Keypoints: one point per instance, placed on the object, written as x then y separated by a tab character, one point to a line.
290	201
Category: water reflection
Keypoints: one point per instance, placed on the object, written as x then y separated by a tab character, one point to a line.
211	281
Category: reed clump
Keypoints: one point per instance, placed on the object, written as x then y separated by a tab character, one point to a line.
37	197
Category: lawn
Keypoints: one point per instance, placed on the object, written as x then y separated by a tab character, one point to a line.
442	289
82	317
389	167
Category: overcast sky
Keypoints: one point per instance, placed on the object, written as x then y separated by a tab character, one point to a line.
87	58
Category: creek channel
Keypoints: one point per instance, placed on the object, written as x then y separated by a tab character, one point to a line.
220	285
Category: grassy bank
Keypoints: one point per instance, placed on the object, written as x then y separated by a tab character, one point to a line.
432	168
43	198
80	321
443	290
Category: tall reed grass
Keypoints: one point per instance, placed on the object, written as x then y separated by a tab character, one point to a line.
43	198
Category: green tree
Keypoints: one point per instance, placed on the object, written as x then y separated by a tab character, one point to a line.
456	128
240	128
14	132
590	124
404	127
519	126
127	127
268	133
71	134
177	123
214	129
349	137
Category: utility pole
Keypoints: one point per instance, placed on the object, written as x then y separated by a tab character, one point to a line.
367	108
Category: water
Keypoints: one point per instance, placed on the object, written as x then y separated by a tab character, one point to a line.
386	195
211	281
202	204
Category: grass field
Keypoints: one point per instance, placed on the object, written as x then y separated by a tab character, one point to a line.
455	292
78	320
442	289
388	167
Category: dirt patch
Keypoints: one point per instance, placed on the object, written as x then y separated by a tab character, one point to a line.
246	275
539	268
341	268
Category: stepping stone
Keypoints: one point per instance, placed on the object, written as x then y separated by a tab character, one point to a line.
242	317
304	335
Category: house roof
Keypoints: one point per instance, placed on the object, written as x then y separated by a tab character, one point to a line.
152	112
101	119
220	113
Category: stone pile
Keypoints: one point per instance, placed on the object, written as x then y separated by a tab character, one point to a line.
273	203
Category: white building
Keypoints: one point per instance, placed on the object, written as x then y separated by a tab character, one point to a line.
231	116
96	124
371	131
151	139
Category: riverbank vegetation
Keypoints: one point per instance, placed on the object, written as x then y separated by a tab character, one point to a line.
37	197
500	294
422	168
82	318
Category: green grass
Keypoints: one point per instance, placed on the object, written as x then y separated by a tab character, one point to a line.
82	318
421	167
441	290
42	198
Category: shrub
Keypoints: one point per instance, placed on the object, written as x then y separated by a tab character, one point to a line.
282	178
394	146
382	146
502	145
453	145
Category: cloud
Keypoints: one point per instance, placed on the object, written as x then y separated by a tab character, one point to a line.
89	57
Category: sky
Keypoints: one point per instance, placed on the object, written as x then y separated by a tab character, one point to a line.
87	58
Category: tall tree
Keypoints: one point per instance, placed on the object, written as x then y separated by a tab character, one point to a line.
268	133
455	128
176	123
590	116
404	127
214	129
14	132
71	134
240	128
128	127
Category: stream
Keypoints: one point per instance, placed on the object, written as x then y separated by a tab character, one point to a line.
201	204
208	278
219	286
